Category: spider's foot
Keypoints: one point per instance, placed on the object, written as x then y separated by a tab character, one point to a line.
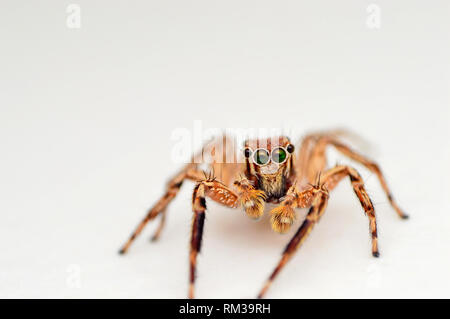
253	203
401	213
397	209
376	254
264	289
282	217
154	238
191	291
123	250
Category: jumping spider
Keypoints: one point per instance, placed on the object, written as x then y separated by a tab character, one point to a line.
271	173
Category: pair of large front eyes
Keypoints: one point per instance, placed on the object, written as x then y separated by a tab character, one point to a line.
262	156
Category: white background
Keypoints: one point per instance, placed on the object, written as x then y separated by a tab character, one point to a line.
86	122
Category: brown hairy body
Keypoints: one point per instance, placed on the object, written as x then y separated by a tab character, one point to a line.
271	172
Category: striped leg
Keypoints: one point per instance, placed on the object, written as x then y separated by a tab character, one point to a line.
172	190
374	168
317	208
317	162
330	179
217	192
333	176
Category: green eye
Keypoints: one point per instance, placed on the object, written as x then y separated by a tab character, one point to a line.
261	157
278	155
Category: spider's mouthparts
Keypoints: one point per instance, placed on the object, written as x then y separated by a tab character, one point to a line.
270	169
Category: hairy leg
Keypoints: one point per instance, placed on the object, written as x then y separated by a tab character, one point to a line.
217	192
317	162
317	208
319	195
374	168
250	199
172	190
214	152
333	176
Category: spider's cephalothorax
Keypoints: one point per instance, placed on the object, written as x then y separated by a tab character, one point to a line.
271	172
269	165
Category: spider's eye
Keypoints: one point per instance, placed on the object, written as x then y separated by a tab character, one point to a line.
290	148
261	157
247	152
278	155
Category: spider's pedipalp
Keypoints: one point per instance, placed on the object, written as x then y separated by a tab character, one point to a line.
282	217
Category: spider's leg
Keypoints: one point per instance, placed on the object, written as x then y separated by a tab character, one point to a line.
314	160
317	208
303	157
333	176
217	192
374	168
173	187
158	230
311	157
329	180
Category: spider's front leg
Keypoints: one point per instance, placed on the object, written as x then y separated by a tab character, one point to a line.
251	199
218	192
318	199
319	203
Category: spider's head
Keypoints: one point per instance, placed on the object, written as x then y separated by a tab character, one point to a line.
269	157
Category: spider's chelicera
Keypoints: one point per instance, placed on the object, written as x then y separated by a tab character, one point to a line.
271	173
